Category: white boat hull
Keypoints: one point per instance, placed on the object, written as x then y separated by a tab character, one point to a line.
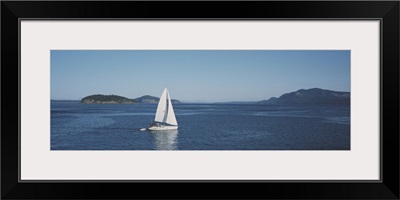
162	128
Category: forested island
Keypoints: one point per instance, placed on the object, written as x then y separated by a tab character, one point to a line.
106	99
115	99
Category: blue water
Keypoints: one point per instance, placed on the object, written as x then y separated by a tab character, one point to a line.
76	126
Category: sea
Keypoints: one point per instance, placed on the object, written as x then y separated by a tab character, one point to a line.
76	126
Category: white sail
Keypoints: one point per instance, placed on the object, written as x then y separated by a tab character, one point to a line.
162	108
165	112
165	115
170	114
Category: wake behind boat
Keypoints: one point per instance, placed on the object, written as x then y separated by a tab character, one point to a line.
165	117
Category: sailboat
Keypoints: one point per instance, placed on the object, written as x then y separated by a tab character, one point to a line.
165	117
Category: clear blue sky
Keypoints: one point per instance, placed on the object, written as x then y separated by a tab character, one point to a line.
196	75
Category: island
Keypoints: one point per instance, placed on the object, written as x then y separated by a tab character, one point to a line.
106	99
314	96
151	99
115	99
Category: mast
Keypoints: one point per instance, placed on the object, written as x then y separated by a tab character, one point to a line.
166	106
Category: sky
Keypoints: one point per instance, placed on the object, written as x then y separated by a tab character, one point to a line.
196	75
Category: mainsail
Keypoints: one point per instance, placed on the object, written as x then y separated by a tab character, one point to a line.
165	112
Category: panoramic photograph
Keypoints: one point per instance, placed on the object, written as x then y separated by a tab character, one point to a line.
200	100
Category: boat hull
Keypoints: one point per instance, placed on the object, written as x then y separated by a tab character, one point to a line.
162	128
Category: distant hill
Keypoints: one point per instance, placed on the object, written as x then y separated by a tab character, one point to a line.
151	99
314	96
107	99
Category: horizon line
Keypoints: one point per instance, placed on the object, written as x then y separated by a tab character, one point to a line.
228	101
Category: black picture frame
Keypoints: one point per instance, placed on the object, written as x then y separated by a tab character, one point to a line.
386	11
